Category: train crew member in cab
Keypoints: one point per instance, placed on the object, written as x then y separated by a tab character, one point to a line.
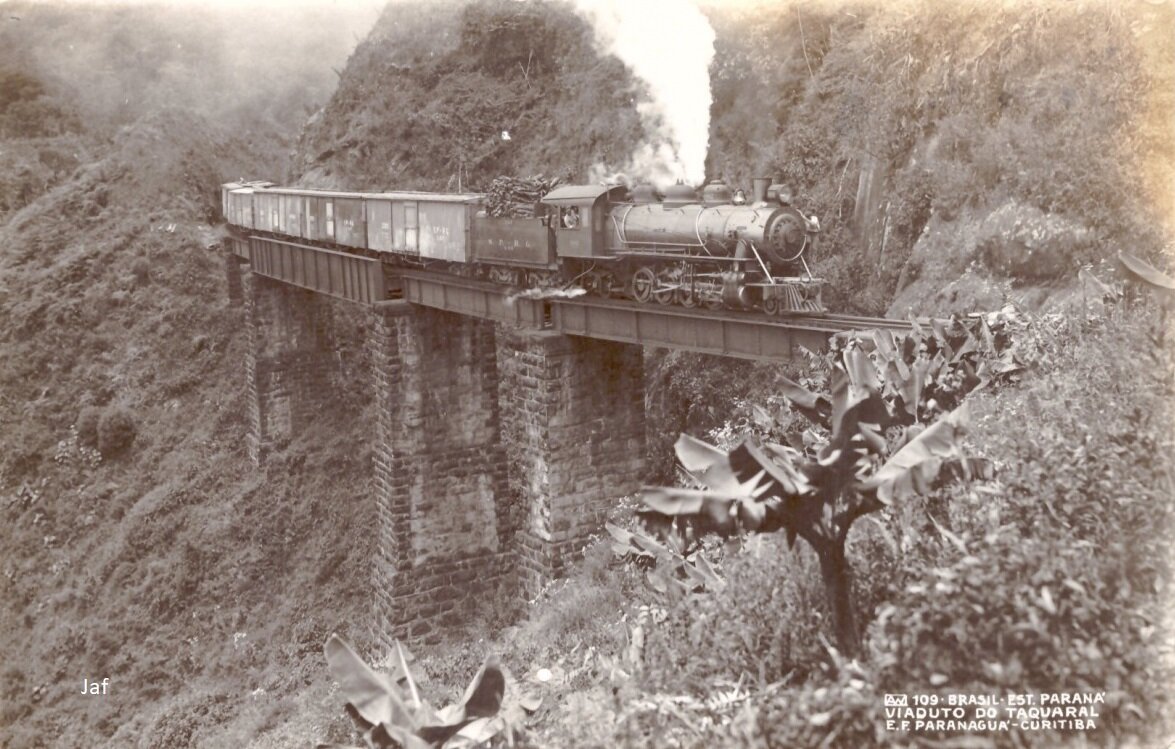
571	217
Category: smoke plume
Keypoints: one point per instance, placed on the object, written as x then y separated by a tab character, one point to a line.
668	44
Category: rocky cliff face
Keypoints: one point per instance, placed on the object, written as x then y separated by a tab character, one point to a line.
442	95
991	150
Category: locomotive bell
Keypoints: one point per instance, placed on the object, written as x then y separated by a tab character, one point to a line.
716	193
679	195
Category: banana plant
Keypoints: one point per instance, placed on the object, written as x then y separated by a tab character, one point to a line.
673	572
390	712
878	449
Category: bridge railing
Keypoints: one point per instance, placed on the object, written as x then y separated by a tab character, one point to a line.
338	274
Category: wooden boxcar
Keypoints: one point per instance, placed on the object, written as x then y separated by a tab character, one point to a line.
430	225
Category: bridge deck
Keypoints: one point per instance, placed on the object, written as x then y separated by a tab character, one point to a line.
746	335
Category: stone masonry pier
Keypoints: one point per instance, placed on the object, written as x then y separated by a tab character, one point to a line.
288	362
446	523
574	430
497	450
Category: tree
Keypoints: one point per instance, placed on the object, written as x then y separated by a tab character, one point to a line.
890	429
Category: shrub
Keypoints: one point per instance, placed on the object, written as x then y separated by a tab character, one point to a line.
87	426
1050	579
116	432
583	610
763	624
141	270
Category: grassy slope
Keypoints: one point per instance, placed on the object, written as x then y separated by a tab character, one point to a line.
167	567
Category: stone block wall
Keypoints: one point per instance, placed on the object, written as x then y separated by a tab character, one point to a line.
445	521
497	452
574	431
289	361
234	284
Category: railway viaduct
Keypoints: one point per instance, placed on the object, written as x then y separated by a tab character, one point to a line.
505	428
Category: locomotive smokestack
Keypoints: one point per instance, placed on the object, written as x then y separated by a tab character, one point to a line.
759	189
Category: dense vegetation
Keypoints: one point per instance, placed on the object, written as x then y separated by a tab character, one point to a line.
1054	575
958	155
135	543
1000	147
427	97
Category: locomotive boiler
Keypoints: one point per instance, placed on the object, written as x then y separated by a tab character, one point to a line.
715	249
718	249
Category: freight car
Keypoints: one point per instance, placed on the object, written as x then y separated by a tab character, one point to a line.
713	249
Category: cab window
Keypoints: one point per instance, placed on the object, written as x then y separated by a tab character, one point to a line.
570	218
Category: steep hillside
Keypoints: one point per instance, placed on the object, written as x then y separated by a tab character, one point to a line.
959	156
442	94
995	150
139	543
70	76
956	153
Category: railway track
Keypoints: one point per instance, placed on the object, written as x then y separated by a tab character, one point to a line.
822	323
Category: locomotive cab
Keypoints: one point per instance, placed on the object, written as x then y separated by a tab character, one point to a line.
577	213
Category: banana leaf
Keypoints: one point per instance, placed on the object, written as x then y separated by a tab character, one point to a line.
368	692
913	469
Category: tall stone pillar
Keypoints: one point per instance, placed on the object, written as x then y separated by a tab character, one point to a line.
574	429
232	277
444	523
287	363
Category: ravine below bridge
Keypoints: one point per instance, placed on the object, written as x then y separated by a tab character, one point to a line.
506	426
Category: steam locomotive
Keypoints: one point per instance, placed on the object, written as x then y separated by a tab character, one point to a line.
716	249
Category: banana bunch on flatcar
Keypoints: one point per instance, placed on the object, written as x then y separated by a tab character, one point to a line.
716	249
